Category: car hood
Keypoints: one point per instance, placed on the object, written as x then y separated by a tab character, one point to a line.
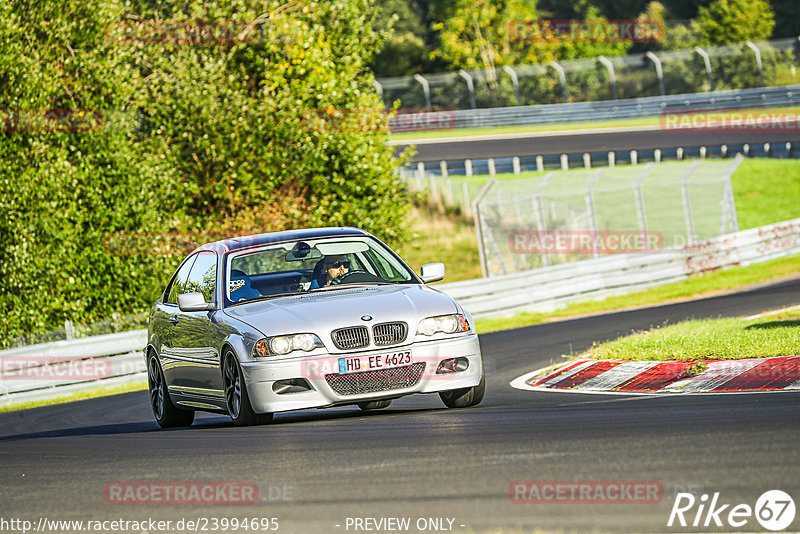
321	312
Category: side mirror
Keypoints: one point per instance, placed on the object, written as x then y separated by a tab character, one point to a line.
189	302
432	272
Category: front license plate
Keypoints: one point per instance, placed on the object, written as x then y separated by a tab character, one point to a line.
357	364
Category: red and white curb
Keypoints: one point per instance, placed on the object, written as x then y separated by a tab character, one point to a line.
586	375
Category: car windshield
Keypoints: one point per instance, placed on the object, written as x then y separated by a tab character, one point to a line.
311	265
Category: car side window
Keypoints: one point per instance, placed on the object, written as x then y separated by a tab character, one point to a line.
203	276
179	281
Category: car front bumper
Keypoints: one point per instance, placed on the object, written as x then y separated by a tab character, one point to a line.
321	371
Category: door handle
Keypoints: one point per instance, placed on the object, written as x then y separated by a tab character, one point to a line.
174	319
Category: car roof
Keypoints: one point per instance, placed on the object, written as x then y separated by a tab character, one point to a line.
242	242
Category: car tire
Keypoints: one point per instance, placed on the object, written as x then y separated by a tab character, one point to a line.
166	413
374	405
236	398
464	397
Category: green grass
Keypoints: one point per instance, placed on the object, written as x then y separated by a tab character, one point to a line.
716	339
706	285
449	239
766	191
103	392
620	123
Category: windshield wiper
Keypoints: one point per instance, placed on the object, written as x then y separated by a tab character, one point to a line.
352	284
269	297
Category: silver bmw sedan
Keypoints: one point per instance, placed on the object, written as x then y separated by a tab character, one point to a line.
255	325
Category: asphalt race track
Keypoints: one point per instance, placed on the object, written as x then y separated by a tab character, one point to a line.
593	142
419	460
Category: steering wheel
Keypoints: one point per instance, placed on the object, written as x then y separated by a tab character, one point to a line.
355	276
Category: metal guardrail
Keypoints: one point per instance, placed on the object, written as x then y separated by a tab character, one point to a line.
664	72
548	288
769	97
52	370
31	373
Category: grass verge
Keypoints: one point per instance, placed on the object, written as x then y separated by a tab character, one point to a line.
446	238
715	339
699	286
104	392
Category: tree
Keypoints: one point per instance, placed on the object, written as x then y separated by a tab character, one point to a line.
404	51
481	34
735	21
215	119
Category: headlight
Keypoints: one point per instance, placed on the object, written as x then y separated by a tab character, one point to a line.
448	324
281	345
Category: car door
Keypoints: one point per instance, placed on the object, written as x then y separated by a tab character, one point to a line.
196	337
165	317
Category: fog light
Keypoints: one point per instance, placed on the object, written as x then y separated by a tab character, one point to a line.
292	385
452	365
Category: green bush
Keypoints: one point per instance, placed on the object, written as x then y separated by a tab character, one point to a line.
275	126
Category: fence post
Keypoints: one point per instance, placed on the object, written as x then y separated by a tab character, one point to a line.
425	89
564	162
752	46
69	329
640	201
611	76
470	86
659	72
562	79
420	174
590	209
707	61
515	163
729	200
634	157
443	168
434	192
468	167
465	203
514	80
611	159
492	168
540	163
587	160
476	213
687	206
538	212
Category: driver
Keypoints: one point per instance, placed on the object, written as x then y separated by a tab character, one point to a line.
332	268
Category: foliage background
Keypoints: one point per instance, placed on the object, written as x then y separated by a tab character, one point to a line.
480	34
273	129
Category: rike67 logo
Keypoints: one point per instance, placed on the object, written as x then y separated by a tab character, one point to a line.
774	510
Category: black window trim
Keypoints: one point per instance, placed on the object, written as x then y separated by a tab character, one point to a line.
168	290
